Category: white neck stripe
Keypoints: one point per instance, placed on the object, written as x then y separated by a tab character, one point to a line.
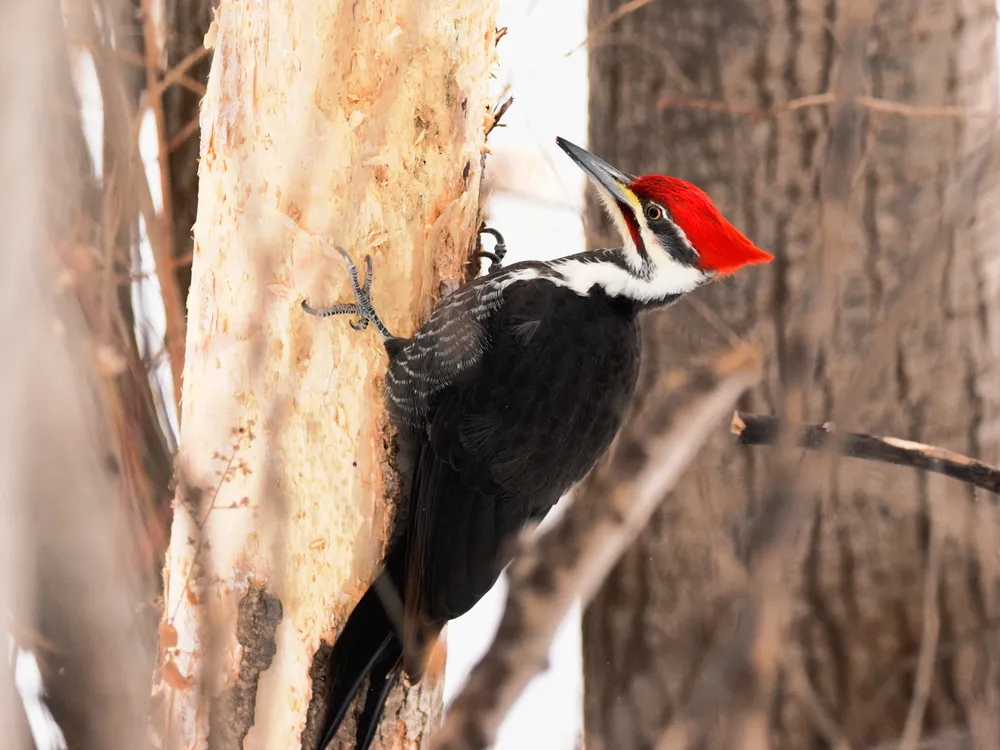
583	274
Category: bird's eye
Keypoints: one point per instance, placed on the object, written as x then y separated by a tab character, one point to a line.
654	212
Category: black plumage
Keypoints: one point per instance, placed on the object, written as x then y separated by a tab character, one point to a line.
503	400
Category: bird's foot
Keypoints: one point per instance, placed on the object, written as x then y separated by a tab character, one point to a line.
499	250
362	306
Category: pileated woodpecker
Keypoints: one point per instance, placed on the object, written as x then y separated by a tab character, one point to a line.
503	400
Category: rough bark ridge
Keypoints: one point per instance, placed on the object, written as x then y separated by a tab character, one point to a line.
862	574
362	123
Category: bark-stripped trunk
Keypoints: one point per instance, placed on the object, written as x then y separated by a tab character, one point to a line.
878	532
362	123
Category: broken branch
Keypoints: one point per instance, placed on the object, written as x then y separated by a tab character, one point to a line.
760	429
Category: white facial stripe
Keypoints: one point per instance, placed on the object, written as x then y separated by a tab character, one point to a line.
581	276
668	278
611	206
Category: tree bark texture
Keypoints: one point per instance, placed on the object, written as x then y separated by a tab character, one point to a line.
362	123
862	610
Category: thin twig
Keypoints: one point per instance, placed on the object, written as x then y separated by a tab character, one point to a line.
872	103
803	689
118	119
715	320
612	18
498	113
760	429
128	278
571	560
929	635
716	105
177	74
189	493
180	138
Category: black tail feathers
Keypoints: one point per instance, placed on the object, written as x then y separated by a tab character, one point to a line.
369	646
382	679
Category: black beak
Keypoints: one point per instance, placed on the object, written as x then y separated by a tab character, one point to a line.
609	179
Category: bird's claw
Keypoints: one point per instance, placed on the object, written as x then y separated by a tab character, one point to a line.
499	250
362	305
368	274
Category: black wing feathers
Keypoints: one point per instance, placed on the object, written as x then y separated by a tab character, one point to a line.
507	437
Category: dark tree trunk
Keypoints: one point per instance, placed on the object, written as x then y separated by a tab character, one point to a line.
860	581
187	24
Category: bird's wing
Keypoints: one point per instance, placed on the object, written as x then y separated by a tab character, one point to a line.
445	347
487	460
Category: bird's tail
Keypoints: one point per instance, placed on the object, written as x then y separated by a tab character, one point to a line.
369	646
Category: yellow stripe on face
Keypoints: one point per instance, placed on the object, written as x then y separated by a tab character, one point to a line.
633	199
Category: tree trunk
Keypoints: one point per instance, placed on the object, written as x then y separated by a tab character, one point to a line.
864	605
187	22
363	124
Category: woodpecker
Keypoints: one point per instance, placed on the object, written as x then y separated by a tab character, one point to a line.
503	400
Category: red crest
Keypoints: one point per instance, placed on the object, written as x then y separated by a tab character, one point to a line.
721	247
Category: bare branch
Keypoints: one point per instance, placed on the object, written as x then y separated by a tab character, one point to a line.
177	74
178	140
120	124
761	429
871	103
164	226
571	560
498	114
631	6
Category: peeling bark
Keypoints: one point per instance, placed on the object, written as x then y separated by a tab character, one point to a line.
256	625
363	124
860	578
